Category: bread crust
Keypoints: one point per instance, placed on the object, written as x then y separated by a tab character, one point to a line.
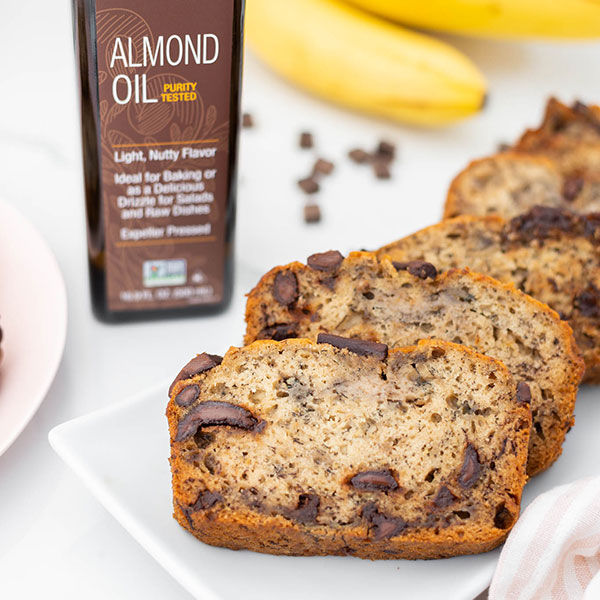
565	130
260	311
275	534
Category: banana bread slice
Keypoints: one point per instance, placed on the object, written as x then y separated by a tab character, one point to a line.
548	253
557	165
510	183
341	448
370	298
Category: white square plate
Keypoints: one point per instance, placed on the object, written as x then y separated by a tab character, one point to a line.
121	454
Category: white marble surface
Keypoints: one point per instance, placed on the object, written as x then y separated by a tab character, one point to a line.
56	541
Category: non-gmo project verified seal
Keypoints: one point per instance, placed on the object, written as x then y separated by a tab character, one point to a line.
158	273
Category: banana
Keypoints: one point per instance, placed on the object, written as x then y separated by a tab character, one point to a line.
570	19
364	63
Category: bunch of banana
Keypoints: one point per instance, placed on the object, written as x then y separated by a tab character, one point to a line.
360	61
575	19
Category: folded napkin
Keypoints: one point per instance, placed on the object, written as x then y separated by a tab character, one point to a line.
553	552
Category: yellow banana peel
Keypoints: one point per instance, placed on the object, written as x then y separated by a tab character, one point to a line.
363	62
570	19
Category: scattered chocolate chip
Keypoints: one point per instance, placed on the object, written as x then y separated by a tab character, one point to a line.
444	498
374	480
306	140
418	268
307	509
206	500
312	213
323	167
360	347
359	156
381	170
281	331
503	147
201	363
308	185
247	121
471	468
285	288
325	261
523	393
386	151
207	414
503	518
188	395
587	302
572	187
380	525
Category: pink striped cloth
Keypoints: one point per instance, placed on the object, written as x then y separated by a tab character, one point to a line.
553	552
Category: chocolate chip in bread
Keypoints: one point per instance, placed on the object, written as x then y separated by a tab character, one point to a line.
343	448
369	298
548	253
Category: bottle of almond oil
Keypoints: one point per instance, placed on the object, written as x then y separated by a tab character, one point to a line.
160	103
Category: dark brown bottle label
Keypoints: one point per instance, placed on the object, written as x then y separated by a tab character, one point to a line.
164	80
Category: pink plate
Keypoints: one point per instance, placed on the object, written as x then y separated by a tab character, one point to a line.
33	318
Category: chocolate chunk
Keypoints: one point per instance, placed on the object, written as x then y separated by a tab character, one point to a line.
281	331
471	468
360	347
359	156
382	480
587	302
523	393
503	147
188	395
579	107
207	414
285	288
542	222
312	213
247	120
206	500
381	170
307	509
418	268
308	185
325	261
385	151
203	362
503	518
204	439
329	283
572	187
583	110
323	167
306	140
380	525
444	498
